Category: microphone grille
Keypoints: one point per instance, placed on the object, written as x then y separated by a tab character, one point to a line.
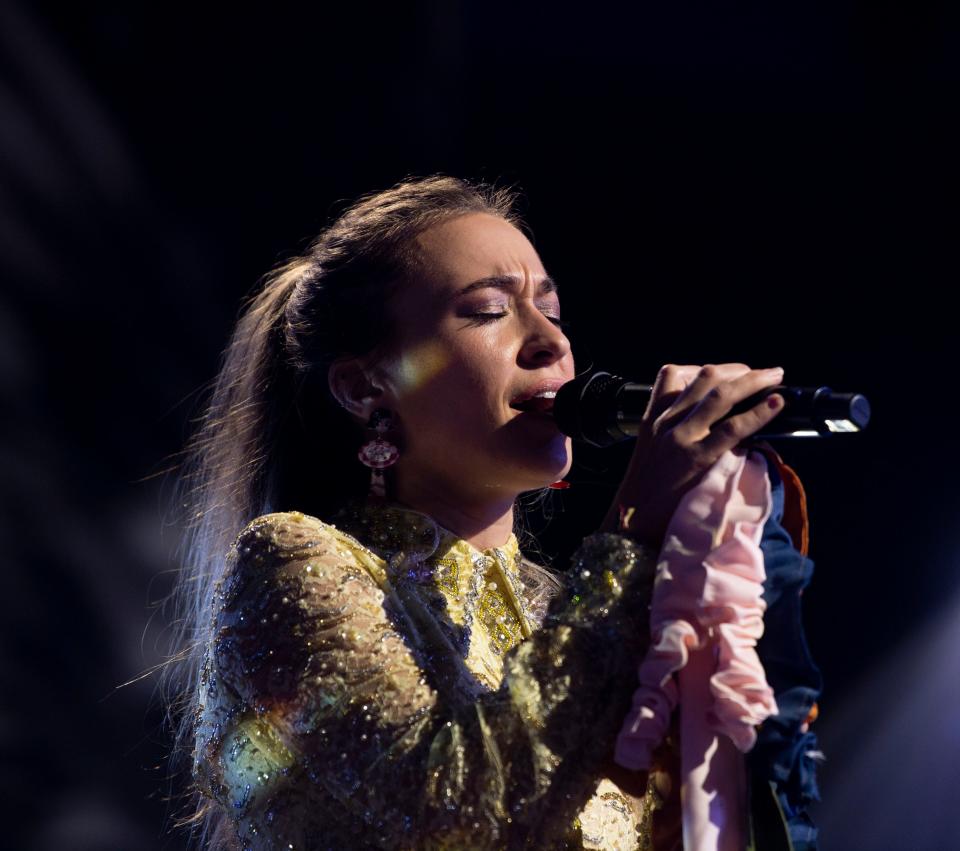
583	406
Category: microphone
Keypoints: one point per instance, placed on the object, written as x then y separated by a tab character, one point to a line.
603	409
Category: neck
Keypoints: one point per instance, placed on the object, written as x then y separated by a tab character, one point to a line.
482	523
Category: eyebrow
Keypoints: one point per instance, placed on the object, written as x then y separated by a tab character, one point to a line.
509	282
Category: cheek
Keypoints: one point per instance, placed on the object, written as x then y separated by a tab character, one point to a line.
466	383
485	370
420	367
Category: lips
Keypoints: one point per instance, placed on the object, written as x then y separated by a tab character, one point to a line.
532	400
541	405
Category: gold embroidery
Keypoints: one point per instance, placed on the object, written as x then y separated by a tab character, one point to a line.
502	625
334	641
447	575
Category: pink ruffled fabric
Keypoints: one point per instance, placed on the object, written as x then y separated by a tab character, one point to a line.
706	617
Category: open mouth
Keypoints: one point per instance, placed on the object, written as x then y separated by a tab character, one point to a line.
538	404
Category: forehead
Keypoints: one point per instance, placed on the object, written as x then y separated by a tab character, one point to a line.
473	246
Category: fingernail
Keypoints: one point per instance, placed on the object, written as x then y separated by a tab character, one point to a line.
774	402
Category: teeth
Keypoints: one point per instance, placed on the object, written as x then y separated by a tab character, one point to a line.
546	394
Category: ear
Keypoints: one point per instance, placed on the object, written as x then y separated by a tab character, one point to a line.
351	385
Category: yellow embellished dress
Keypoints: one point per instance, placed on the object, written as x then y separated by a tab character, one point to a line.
378	682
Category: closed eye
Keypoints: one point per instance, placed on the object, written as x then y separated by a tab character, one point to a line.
489	317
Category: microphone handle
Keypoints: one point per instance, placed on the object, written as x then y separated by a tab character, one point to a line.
602	409
807	411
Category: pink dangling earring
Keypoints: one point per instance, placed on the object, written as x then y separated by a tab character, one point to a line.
378	454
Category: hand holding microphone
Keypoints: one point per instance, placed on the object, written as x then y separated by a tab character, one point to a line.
600	408
680	436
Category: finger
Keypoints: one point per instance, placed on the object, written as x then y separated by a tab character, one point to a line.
707	377
671	381
717	402
731	431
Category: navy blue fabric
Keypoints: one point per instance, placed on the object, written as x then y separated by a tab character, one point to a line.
781	751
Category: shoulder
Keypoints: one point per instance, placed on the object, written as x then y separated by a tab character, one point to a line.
286	575
284	536
278	548
283	533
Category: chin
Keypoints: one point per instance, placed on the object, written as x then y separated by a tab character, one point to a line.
532	464
550	473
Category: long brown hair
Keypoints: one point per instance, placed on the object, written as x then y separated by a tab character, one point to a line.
272	438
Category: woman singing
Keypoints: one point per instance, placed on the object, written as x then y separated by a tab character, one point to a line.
368	659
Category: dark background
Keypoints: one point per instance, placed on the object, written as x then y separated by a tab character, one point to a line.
773	183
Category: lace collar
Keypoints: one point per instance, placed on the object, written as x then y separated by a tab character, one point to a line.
390	529
482	583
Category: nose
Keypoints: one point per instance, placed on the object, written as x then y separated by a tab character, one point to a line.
544	343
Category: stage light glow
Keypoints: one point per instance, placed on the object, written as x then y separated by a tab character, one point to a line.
894	747
420	363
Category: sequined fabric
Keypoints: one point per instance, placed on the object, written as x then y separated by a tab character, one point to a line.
377	682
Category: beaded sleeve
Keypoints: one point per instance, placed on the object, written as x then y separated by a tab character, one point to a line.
345	727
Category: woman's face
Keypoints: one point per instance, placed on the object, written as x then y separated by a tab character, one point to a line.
468	346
